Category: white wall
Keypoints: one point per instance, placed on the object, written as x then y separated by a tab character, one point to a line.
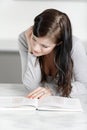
16	16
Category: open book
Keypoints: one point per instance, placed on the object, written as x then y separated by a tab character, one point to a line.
53	103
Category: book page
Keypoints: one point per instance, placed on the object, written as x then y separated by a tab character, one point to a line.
15	102
60	103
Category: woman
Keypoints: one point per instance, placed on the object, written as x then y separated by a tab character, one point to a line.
53	62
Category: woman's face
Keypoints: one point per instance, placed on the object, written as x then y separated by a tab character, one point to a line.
41	46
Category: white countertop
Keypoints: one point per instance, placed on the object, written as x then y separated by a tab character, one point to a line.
39	120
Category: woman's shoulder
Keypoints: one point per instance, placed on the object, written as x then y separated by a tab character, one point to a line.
22	37
22	41
77	46
76	43
76	40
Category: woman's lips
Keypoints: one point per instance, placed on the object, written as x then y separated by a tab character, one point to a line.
35	52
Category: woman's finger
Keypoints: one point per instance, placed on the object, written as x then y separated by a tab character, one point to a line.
34	92
44	95
40	92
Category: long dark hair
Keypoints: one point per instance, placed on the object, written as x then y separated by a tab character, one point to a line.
56	25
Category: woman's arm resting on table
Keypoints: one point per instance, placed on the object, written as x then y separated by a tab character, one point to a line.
31	74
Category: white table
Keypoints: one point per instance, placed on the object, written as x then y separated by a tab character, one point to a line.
39	120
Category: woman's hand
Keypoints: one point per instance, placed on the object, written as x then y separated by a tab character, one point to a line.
40	92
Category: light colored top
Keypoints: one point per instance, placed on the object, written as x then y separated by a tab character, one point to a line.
31	72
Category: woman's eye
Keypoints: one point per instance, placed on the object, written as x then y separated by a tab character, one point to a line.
44	46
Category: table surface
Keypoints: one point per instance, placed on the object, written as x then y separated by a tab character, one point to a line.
39	120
